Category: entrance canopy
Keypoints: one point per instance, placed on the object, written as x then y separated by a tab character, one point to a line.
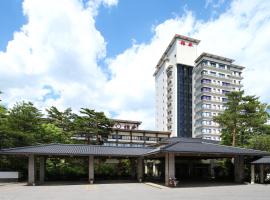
183	146
77	150
194	146
170	149
263	160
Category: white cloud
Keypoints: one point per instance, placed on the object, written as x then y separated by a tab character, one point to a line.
60	46
240	33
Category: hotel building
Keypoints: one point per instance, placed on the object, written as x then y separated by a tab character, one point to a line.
191	90
213	77
173	82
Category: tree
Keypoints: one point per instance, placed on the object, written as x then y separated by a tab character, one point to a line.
244	117
50	133
260	142
24	122
62	120
5	139
94	126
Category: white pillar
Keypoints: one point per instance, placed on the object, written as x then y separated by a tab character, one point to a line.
91	170
239	169
169	167
140	169
31	170
154	169
261	173
42	164
252	174
212	166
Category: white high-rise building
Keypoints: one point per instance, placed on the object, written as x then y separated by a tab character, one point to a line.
213	77
191	90
173	82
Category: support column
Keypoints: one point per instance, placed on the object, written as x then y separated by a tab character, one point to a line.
154	169
133	168
31	170
140	169
169	167
212	166
42	167
252	174
91	170
239	169
261	173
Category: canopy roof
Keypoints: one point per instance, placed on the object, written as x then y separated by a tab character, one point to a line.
202	146
76	150
184	146
263	160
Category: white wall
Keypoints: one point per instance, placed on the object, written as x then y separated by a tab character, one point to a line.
9	175
185	54
161	100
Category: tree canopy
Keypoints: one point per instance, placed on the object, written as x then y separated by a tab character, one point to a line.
244	117
24	124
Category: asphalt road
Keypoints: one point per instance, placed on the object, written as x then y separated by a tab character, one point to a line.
132	191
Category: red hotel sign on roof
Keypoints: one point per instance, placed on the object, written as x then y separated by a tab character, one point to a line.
182	42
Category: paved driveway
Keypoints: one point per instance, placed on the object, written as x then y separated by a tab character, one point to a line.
132	191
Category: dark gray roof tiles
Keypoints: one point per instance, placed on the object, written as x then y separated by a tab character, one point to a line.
200	146
174	145
210	148
77	149
263	160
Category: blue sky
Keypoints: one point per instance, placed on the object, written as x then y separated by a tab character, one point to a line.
102	54
121	25
133	20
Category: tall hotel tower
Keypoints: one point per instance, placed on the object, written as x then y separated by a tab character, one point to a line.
173	81
213	77
191	90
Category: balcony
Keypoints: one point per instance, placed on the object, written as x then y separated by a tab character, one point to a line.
199	84
211	67
198	93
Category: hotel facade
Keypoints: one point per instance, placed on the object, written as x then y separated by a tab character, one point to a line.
191	90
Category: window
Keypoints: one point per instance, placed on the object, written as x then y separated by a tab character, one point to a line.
224	100
206	130
205	122
225	84
213	64
206	114
205	97
221	75
203	72
225	92
205	81
117	137
206	105
213	73
221	66
125	137
206	89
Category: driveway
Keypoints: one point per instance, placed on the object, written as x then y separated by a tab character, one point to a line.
131	191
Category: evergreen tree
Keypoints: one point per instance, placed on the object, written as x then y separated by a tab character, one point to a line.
94	126
63	119
24	122
244	117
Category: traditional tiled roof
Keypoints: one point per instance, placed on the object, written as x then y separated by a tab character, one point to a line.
263	160
77	149
182	146
201	146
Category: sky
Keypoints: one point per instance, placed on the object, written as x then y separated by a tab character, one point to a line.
102	54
